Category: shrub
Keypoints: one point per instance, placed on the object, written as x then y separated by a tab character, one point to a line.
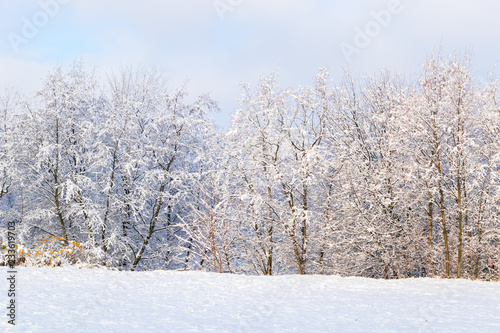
52	252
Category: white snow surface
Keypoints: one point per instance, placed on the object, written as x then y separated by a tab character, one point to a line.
97	300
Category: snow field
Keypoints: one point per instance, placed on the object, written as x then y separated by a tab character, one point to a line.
95	300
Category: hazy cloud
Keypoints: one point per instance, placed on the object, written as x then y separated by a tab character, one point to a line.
189	40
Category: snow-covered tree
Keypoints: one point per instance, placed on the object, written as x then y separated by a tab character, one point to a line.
157	142
378	176
58	156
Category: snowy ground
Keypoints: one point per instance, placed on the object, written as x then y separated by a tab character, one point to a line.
84	300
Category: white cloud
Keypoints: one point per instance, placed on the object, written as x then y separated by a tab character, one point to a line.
188	39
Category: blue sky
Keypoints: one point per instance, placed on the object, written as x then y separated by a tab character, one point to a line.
217	49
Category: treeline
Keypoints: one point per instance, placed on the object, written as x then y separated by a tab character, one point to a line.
377	177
